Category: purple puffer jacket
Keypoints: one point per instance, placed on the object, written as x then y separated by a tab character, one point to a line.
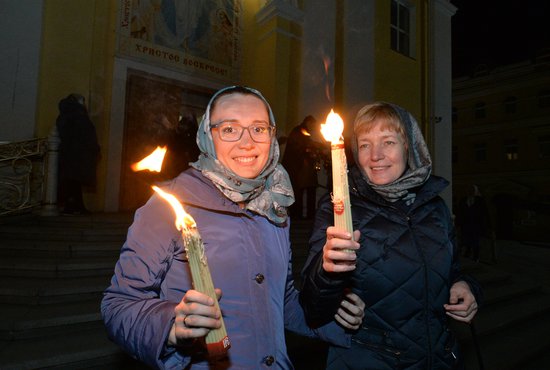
249	259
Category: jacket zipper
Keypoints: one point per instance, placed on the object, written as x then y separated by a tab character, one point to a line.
426	303
391	351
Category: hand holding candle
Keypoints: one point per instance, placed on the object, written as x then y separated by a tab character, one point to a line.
217	341
332	131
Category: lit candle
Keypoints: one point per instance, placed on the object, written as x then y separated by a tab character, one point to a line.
217	341
332	131
153	162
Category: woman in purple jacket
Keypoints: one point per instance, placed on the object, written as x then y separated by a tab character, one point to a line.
237	194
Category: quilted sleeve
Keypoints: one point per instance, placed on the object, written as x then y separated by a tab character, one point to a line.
321	292
135	316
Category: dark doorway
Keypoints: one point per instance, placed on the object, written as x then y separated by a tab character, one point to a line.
159	112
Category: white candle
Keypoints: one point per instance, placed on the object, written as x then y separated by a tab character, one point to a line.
217	341
332	131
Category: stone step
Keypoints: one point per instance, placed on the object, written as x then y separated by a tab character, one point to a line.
59	248
492	318
80	348
94	220
513	305
101	227
481	271
509	348
35	233
51	290
508	290
19	321
118	360
51	267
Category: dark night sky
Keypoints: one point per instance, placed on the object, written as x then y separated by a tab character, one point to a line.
498	32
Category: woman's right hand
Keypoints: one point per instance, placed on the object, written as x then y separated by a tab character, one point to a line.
196	315
339	250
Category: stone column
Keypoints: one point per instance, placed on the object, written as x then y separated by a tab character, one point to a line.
441	88
278	48
49	205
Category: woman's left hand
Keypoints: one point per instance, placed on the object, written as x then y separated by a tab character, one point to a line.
462	303
351	312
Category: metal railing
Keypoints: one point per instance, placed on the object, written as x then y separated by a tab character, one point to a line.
23	175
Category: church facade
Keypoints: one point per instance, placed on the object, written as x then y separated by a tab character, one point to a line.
147	67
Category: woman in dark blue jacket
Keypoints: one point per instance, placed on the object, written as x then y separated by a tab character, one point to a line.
403	262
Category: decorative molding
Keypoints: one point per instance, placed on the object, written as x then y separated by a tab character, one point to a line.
22	175
279	31
280	8
446	7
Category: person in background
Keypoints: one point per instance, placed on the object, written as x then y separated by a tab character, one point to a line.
238	195
302	158
78	153
403	259
473	222
181	147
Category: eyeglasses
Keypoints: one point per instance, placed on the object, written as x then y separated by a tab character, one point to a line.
229	131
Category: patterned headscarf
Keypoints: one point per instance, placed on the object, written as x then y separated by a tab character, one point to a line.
270	193
419	163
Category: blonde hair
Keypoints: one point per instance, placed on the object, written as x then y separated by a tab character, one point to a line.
382	112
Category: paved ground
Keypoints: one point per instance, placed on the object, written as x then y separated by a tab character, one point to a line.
530	260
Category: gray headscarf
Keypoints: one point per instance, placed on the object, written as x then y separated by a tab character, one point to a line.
419	163
269	194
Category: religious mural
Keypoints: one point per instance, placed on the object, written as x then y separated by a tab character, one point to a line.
201	37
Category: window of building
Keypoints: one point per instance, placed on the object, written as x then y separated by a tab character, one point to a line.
401	27
511	148
510	104
480	152
544	99
544	146
479	110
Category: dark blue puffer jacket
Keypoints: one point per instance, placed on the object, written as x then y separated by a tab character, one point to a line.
405	267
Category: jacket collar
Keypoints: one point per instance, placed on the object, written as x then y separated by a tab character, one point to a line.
192	188
427	191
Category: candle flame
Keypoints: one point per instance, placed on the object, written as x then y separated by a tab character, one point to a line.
333	128
153	162
305	132
184	221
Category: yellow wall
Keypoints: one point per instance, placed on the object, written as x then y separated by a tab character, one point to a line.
77	56
271	63
398	78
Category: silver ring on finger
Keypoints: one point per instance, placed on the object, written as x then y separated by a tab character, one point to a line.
185	323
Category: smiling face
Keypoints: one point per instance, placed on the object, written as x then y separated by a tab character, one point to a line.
382	153
245	157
